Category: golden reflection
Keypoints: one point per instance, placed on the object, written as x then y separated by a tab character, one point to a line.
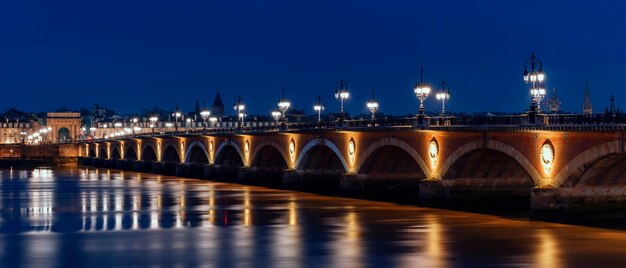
212	205
548	254
136	208
154	211
119	209
247	214
435	251
293	213
180	218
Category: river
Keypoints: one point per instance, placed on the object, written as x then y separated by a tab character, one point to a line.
80	217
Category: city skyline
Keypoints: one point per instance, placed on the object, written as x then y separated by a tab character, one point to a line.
128	56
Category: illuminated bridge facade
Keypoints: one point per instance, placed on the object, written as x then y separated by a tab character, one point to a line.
555	166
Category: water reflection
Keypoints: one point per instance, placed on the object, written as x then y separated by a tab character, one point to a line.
123	218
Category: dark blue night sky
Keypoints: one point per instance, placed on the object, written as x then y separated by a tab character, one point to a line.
129	55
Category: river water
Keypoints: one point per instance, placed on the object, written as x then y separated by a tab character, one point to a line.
97	217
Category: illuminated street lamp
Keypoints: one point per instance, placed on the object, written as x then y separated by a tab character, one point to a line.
153	120
283	105
276	115
421	90
534	79
92	130
341	93
240	109
443	95
372	105
213	121
319	107
205	113
177	114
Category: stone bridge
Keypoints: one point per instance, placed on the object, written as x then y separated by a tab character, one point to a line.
555	168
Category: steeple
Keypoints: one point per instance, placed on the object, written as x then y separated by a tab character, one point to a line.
587	109
218	106
197	110
612	104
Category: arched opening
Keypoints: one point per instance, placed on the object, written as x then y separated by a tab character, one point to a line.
269	164
393	161
92	151
115	155
130	154
269	157
388	172
321	157
489	165
63	135
228	163
170	155
608	171
149	154
197	155
321	169
487	178
229	156
103	153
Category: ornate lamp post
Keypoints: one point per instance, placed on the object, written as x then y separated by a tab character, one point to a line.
213	121
205	113
372	105
283	106
319	107
421	90
443	95
240	108
341	93
276	115
177	114
534	78
92	130
153	120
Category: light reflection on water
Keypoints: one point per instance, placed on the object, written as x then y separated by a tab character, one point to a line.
82	217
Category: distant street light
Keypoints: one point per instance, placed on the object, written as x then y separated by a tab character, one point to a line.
341	93
319	107
421	90
153	120
283	106
535	79
240	108
276	115
372	105
177	114
443	95
205	113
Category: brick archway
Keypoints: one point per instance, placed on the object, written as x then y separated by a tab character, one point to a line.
68	120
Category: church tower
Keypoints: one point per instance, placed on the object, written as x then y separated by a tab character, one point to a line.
587	110
218	106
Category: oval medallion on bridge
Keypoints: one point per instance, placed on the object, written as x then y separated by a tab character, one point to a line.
433	152
351	149
547	156
211	147
292	150
246	147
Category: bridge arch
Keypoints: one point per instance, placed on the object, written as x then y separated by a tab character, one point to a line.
320	146
393	149
115	153
228	153
130	152
92	151
197	153
494	145
170	154
269	154
103	152
148	153
580	165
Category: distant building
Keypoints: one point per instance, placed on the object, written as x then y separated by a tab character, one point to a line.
587	109
554	102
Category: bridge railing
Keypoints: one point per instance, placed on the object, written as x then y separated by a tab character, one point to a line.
572	122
